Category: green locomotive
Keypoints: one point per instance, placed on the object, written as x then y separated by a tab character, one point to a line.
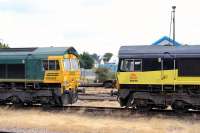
39	75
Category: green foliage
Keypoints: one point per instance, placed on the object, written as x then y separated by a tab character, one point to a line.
96	57
104	74
107	57
3	45
86	61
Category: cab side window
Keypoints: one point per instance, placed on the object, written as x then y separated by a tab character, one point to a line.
131	65
137	65
51	65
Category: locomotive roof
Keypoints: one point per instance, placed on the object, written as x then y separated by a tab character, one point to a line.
40	52
152	51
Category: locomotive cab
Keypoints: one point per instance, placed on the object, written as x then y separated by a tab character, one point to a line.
64	70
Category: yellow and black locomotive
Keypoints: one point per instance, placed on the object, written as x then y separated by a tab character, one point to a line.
159	76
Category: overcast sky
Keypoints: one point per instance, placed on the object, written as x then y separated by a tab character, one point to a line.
96	25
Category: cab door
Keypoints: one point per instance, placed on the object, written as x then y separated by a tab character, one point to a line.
168	72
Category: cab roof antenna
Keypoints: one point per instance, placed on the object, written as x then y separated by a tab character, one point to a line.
173	20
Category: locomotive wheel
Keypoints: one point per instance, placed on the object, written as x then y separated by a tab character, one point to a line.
65	99
179	107
143	105
57	101
16	101
122	102
130	101
52	102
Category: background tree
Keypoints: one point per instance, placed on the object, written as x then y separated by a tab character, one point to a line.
107	57
96	57
104	74
3	45
86	60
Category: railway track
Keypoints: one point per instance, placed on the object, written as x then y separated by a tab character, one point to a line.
97	97
110	111
91	85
